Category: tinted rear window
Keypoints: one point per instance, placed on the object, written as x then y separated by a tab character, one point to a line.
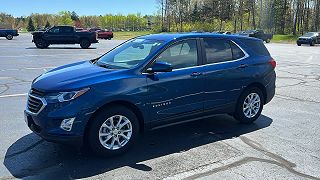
257	46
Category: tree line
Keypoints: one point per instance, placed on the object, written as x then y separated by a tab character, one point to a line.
118	22
274	16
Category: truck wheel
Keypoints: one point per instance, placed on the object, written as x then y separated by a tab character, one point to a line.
41	44
299	44
85	44
268	40
113	131
109	38
249	105
9	37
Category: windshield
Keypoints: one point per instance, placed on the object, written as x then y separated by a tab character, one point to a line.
309	34
129	54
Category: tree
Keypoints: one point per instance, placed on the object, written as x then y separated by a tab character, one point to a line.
30	26
48	25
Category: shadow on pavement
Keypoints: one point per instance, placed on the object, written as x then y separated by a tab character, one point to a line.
32	157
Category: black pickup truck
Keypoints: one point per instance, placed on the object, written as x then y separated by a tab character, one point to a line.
8	33
257	34
63	35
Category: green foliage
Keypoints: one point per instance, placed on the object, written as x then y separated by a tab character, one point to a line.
280	38
65	18
30	26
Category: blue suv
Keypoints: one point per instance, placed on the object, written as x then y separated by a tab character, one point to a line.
148	82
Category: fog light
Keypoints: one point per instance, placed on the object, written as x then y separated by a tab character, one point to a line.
66	124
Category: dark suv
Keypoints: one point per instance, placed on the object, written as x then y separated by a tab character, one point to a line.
148	82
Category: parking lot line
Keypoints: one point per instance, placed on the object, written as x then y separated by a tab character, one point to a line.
13	95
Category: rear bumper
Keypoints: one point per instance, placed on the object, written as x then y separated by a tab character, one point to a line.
271	88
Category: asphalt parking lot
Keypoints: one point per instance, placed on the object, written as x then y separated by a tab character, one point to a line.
284	143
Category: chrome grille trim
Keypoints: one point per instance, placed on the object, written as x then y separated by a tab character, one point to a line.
32	105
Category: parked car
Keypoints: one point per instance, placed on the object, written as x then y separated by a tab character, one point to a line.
63	35
310	38
8	33
102	34
149	82
257	34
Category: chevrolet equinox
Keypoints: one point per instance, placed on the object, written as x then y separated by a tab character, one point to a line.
148	82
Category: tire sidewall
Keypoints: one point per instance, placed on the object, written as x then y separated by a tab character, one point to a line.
43	44
239	114
9	37
85	44
93	131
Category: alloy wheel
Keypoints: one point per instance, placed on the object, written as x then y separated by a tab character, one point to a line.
251	105
115	132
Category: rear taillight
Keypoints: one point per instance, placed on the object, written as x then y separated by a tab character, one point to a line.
273	63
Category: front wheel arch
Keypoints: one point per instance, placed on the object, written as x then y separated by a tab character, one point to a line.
122	103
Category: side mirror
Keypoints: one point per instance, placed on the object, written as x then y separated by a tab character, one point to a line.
159	66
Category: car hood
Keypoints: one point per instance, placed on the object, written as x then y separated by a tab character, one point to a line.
73	76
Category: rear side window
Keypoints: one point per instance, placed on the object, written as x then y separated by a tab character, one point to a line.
257	46
217	50
220	50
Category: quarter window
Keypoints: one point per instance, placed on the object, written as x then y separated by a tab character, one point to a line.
237	53
181	55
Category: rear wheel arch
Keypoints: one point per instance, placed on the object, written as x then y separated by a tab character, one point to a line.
260	86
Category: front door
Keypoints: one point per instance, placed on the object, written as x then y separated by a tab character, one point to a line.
178	92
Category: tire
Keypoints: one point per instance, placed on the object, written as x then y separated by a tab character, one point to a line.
268	41
41	44
298	44
102	120
312	43
85	44
242	114
9	36
109	38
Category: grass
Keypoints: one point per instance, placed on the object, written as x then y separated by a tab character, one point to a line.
129	34
279	38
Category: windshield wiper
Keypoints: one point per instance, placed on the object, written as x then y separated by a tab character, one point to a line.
107	66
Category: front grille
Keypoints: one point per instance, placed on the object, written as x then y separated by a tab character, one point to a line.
34	104
37	93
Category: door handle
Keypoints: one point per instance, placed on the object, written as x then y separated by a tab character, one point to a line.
195	74
242	66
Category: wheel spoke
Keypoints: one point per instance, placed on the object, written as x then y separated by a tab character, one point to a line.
120	119
104	134
107	139
124	136
123	124
112	142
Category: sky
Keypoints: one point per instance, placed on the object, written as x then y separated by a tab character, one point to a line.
19	8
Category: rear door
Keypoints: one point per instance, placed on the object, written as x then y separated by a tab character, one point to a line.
223	73
175	93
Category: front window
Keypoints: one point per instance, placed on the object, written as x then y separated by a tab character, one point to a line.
181	55
130	53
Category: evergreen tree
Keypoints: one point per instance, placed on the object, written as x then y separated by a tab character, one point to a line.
48	25
30	26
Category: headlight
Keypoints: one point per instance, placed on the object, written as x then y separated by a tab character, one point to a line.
65	96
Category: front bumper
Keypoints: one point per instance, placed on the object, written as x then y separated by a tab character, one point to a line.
46	123
304	41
